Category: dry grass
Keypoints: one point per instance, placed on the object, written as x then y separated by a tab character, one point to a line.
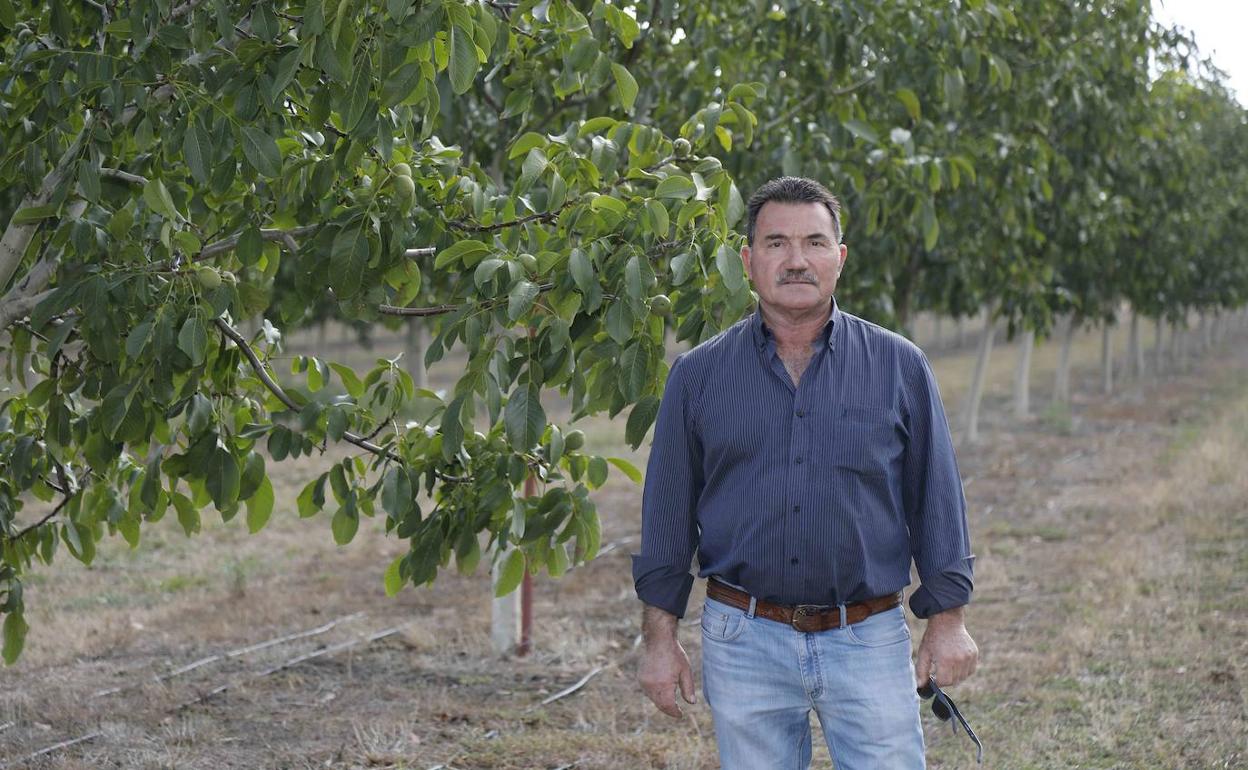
1110	609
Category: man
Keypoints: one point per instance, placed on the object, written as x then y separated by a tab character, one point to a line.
804	454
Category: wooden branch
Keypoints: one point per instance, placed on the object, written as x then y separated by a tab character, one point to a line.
184	9
433	310
11	310
263	373
427	251
545	216
53	748
565	692
227	244
236	653
26	530
17	237
810	98
379	635
122	176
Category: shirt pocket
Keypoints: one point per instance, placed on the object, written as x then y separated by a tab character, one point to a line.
862	439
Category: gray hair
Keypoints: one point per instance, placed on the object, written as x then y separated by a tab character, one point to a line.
793	189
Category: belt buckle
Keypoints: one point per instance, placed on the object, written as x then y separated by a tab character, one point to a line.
803	611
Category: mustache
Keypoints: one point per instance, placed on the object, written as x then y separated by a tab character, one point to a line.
797	276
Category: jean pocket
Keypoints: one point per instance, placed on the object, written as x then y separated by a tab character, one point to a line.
880	630
722	625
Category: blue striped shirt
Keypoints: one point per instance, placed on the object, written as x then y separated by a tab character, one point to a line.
815	494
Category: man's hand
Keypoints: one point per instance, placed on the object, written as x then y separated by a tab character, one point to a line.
664	664
947	650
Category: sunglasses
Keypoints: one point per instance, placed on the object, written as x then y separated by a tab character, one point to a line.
945	709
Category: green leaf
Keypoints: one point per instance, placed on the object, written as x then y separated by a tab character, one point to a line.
676	187
223	479
396	493
911	102
188	514
398	86
464	63
157	198
136	341
393	579
521	299
8	20
357	95
260	506
628	468
452	429
529	141
524	418
193	339
33	214
196	149
348	260
467	251
640	420
344	526
261	151
635	369
660	222
597	472
510	573
625	86
349	380
862	130
15	629
728	262
582	268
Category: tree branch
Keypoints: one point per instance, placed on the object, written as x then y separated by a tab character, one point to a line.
122	176
26	530
222	246
427	251
422	312
258	367
17	237
29	291
363	442
810	98
184	9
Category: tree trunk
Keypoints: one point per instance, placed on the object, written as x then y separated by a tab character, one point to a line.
1107	357
971	432
414	352
959	332
1061	384
1176	346
1159	349
1135	351
1207	324
1022	374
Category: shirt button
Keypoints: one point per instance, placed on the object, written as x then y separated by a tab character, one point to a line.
799	461
797	508
801	413
793	560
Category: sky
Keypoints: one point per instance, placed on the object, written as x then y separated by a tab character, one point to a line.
1219	26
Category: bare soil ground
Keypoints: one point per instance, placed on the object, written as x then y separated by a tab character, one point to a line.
1111	611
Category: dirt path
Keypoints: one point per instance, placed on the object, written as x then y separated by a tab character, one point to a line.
1111	608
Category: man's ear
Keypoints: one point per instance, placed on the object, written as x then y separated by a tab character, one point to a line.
745	260
844	256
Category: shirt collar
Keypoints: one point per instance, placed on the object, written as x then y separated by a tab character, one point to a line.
762	335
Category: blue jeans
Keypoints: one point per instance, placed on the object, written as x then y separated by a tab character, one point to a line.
762	678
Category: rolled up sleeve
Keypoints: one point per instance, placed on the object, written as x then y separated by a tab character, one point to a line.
935	505
669	531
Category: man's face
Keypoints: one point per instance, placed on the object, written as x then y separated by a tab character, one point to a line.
795	259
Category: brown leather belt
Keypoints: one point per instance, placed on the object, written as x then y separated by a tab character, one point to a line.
808	618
